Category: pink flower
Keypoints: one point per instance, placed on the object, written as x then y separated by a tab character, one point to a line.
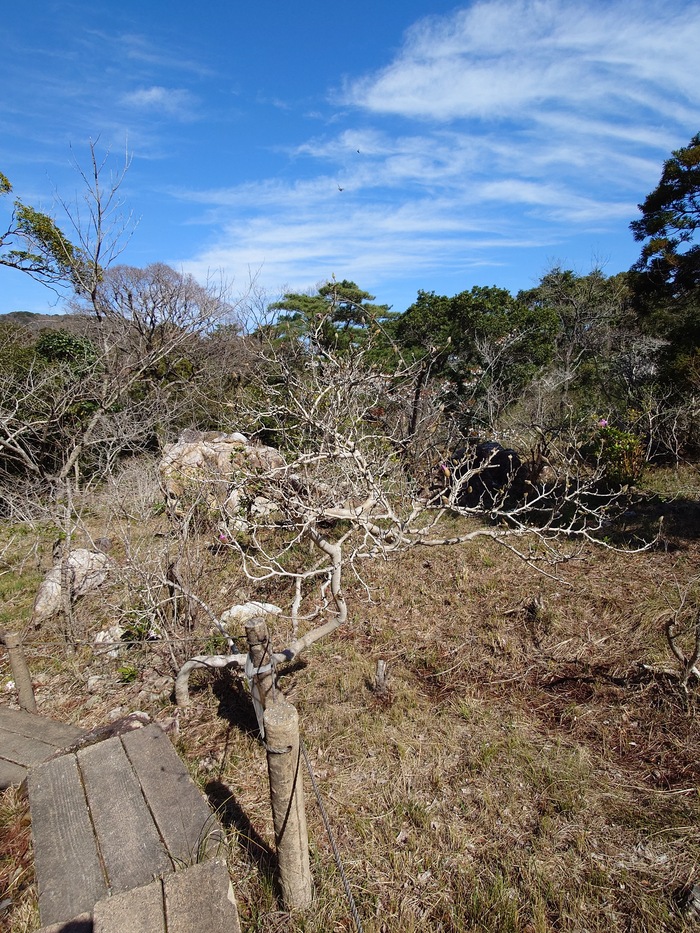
603	423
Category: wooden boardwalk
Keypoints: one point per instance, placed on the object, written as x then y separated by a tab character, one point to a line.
26	740
124	842
197	900
123	816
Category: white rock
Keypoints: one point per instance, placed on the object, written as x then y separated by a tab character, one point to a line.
263	508
109	642
86	571
247	611
214	469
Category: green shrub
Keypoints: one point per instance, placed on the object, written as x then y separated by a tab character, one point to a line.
620	453
128	674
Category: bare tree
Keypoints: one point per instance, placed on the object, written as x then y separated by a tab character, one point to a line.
73	402
343	491
121	380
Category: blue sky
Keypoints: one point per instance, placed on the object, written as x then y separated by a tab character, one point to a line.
475	144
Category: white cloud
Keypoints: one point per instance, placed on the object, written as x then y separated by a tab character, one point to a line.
508	125
139	48
510	58
298	238
175	102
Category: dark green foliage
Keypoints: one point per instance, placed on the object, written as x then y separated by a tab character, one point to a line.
666	278
486	344
426	327
38	246
670	259
339	317
61	346
495	329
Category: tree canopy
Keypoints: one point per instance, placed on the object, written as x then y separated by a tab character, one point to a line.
338	316
670	257
33	243
666	278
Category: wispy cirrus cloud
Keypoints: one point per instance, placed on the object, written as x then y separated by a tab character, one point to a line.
173	102
507	125
297	235
371	245
142	49
512	59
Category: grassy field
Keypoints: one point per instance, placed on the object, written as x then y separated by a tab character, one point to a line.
534	765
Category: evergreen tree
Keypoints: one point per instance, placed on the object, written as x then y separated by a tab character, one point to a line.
666	278
338	317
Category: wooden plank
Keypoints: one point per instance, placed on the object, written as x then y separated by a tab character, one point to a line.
200	900
131	848
138	911
11	773
55	733
68	870
24	749
184	818
81	924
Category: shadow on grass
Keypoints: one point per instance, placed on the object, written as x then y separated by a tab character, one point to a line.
669	523
235	704
681	517
232	816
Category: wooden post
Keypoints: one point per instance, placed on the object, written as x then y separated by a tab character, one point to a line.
287	798
262	685
20	671
380	679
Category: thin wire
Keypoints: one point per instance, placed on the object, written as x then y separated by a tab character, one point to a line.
117	643
331	839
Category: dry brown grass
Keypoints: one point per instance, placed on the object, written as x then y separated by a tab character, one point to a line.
16	867
526	771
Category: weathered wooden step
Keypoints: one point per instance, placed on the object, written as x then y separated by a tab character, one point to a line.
198	899
67	863
185	821
111	817
26	740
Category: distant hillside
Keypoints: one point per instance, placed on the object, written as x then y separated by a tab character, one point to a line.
36	322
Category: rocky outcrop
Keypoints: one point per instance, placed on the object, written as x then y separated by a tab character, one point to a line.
216	471
85	570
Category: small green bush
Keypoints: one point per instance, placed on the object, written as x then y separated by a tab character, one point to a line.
620	452
128	674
